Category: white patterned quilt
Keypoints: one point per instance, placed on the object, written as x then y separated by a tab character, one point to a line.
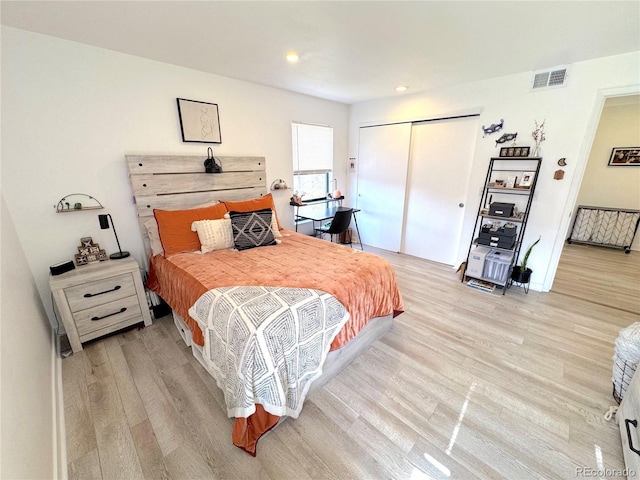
266	345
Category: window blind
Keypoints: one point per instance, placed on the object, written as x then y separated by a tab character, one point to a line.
312	148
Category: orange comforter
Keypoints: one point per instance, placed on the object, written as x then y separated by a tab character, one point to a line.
365	284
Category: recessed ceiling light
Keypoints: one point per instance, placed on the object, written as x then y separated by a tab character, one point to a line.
292	57
401	88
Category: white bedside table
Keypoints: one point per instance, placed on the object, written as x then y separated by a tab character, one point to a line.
100	298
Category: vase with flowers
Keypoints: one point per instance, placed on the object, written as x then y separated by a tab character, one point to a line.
538	137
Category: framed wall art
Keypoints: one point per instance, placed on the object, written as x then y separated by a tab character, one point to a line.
199	121
526	180
515	151
625	156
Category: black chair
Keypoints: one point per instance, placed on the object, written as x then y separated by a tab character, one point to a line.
339	224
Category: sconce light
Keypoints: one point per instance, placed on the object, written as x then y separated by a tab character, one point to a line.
279	184
104	224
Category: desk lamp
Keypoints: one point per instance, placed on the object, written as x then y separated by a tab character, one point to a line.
104	224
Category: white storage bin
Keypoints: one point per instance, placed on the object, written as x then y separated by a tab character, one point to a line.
496	265
475	266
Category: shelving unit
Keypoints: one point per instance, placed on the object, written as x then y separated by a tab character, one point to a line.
74	203
495	192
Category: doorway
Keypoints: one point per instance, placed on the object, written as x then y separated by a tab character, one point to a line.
602	275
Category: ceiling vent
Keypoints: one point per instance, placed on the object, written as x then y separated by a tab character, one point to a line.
553	78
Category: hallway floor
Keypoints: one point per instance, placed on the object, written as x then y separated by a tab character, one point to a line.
600	275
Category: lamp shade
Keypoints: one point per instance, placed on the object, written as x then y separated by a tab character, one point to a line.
104	221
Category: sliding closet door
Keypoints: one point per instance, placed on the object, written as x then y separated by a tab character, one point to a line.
383	155
439	167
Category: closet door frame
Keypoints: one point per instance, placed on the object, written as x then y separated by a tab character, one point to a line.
401	174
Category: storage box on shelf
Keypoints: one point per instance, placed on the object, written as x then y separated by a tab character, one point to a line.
500	209
502	219
475	265
496	266
501	237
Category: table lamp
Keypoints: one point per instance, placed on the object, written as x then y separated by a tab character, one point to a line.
104	224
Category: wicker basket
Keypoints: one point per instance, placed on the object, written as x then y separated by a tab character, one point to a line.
623	373
625	359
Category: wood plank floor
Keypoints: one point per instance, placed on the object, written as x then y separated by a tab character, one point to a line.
598	274
465	385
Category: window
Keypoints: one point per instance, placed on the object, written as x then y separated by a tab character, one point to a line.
312	160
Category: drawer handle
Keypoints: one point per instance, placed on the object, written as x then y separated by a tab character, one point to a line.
635	424
89	295
123	309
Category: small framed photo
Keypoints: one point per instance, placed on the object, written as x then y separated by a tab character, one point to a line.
199	121
511	181
527	179
515	151
624	156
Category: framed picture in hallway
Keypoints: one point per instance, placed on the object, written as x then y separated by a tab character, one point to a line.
625	156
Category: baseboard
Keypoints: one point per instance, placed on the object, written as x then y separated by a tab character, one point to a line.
59	429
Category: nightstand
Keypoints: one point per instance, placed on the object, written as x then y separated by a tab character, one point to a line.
100	298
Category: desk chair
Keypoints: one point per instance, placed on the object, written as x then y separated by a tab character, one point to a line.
339	224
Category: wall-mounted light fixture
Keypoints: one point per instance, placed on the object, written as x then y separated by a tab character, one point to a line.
279	184
104	224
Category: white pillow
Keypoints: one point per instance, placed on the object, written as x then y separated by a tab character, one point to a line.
274	225
154	236
213	234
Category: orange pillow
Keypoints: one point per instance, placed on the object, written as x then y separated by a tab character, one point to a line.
174	227
252	205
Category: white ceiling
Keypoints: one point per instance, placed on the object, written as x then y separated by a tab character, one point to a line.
350	51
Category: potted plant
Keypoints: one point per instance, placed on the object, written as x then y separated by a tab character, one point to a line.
521	273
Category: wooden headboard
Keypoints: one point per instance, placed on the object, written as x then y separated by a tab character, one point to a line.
171	182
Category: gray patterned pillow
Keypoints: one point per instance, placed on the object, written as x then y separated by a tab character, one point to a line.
252	229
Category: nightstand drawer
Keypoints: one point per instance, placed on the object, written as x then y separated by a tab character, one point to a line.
87	295
99	320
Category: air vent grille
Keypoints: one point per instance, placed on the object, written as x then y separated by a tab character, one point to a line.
555	77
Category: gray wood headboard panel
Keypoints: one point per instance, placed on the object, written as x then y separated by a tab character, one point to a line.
171	182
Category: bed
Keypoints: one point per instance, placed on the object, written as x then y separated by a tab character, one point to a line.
354	294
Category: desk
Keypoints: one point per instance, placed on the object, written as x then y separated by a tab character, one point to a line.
322	203
322	212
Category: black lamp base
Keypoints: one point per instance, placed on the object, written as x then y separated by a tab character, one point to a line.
119	255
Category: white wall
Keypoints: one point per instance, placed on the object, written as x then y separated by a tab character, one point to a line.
569	113
28	367
611	186
71	112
